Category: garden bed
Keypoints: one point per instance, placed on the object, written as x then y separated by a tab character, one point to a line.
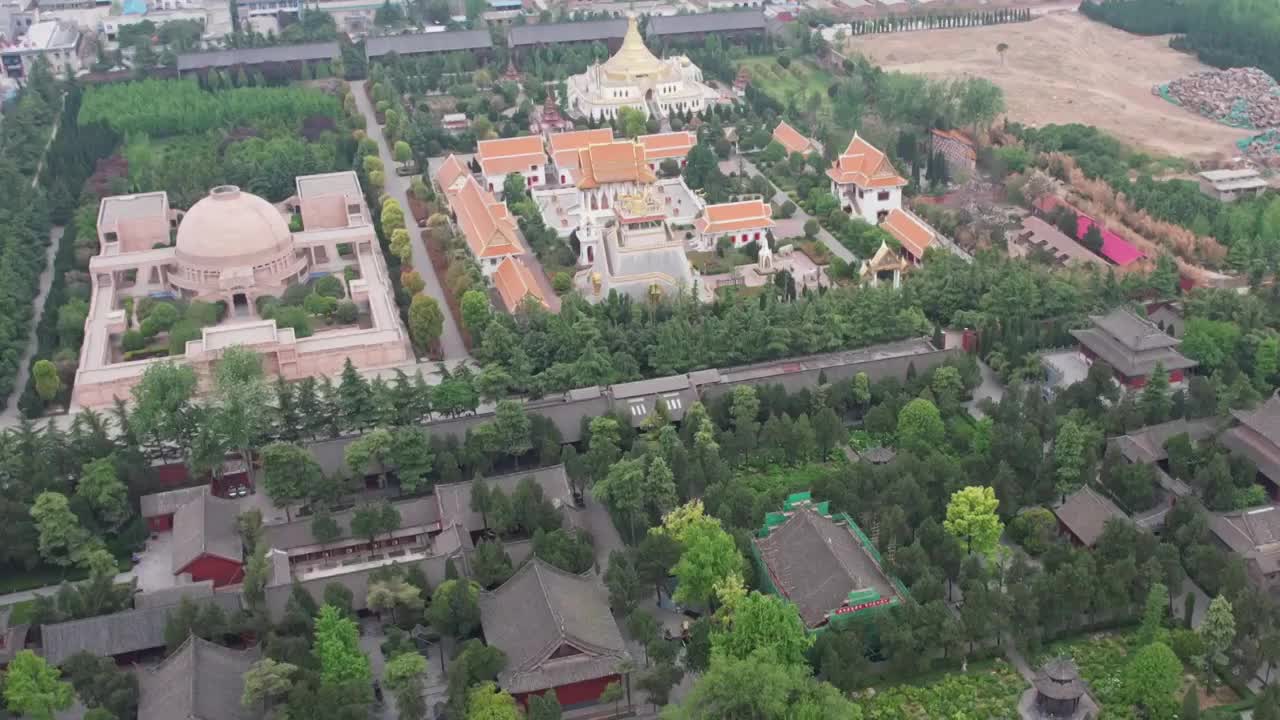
988	690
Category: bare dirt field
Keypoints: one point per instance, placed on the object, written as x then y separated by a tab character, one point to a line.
1062	68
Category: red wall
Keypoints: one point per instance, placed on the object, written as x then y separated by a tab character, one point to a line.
211	567
160	523
578	693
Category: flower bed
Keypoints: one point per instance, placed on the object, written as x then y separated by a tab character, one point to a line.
988	690
1101	659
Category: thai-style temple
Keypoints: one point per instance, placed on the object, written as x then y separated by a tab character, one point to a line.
864	181
636	78
634	251
886	266
1132	346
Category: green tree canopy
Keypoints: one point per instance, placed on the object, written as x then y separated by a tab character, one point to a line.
972	519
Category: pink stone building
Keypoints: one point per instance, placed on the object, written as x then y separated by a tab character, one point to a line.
234	247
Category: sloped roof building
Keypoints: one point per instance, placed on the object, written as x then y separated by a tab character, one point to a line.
1132	346
557	632
822	563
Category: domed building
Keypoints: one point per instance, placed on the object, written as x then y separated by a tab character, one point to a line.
232	249
636	78
235	247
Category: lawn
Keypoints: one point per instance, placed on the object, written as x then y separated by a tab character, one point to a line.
20	612
986	690
711	263
803	78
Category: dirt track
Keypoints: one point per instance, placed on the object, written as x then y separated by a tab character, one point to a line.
1061	68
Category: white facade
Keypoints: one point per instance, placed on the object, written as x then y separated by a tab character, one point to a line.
635	78
870	204
56	42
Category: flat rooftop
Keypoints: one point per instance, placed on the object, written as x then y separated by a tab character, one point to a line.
338	183
131	207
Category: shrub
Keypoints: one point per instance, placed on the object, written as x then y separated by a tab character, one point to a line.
296	318
347	312
329	286
784	61
132	340
321	305
181	332
562	283
295	294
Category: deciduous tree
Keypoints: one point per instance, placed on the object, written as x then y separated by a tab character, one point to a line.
337	646
972	519
33	688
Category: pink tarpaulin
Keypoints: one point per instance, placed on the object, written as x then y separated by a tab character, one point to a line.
1114	248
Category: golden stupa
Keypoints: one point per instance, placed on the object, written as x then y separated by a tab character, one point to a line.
633	59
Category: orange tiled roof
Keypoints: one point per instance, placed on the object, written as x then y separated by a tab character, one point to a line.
450	170
620	161
515	282
862	164
791	139
565	146
959	137
910	231
661	146
510	155
729	217
485	223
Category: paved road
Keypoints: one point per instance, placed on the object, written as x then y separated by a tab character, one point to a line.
602	530
780	197
990	387
398	188
11	414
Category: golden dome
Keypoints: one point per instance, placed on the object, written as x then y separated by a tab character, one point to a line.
633	59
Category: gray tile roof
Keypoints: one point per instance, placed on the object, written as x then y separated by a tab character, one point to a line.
357	581
815	562
551	33
1254	534
206	526
1265	420
1126	361
1133	332
541	609
1146	445
257	56
201	681
173	595
455	498
119	633
416	513
713	22
416	43
168	502
1085	513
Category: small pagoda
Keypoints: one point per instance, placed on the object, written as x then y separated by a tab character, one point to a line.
1058	693
511	75
552	120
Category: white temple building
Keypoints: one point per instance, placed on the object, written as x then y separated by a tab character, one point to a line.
865	182
636	78
631	248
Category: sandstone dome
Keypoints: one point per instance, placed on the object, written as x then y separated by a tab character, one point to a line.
231	228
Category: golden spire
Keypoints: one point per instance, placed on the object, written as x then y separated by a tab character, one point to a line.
633	58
